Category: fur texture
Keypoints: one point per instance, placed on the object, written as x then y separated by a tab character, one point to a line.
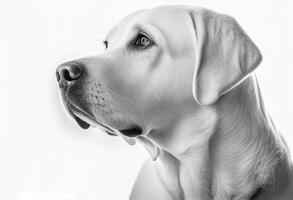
195	99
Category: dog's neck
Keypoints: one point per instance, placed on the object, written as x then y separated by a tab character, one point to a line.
229	149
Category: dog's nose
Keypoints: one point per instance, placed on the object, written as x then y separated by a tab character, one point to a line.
68	72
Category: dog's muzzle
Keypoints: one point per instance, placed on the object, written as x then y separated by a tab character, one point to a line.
70	74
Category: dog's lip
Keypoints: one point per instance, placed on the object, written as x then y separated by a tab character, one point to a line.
127	134
132	131
83	124
85	120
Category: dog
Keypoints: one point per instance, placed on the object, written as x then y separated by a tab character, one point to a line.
180	81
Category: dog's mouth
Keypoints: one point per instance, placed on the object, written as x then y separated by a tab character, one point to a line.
132	131
129	134
85	121
85	125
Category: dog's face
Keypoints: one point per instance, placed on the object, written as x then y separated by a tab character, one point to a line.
151	72
139	75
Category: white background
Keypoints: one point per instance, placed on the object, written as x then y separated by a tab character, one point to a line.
43	153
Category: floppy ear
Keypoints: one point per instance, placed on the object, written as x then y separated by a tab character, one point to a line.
224	55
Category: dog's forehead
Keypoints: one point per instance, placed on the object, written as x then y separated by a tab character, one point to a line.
168	20
161	15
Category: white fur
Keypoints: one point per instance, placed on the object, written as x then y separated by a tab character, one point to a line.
196	98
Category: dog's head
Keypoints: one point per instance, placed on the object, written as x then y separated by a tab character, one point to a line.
159	66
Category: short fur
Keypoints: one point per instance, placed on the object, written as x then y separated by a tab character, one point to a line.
195	97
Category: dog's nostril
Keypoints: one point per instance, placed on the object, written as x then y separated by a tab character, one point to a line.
72	73
69	71
58	76
66	75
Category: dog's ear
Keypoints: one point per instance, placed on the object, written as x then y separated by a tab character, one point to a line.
224	55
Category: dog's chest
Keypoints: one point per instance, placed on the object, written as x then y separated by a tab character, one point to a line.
194	183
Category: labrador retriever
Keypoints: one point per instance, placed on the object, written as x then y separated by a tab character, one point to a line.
180	81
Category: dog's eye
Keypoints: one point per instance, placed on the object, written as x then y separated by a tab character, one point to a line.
143	41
